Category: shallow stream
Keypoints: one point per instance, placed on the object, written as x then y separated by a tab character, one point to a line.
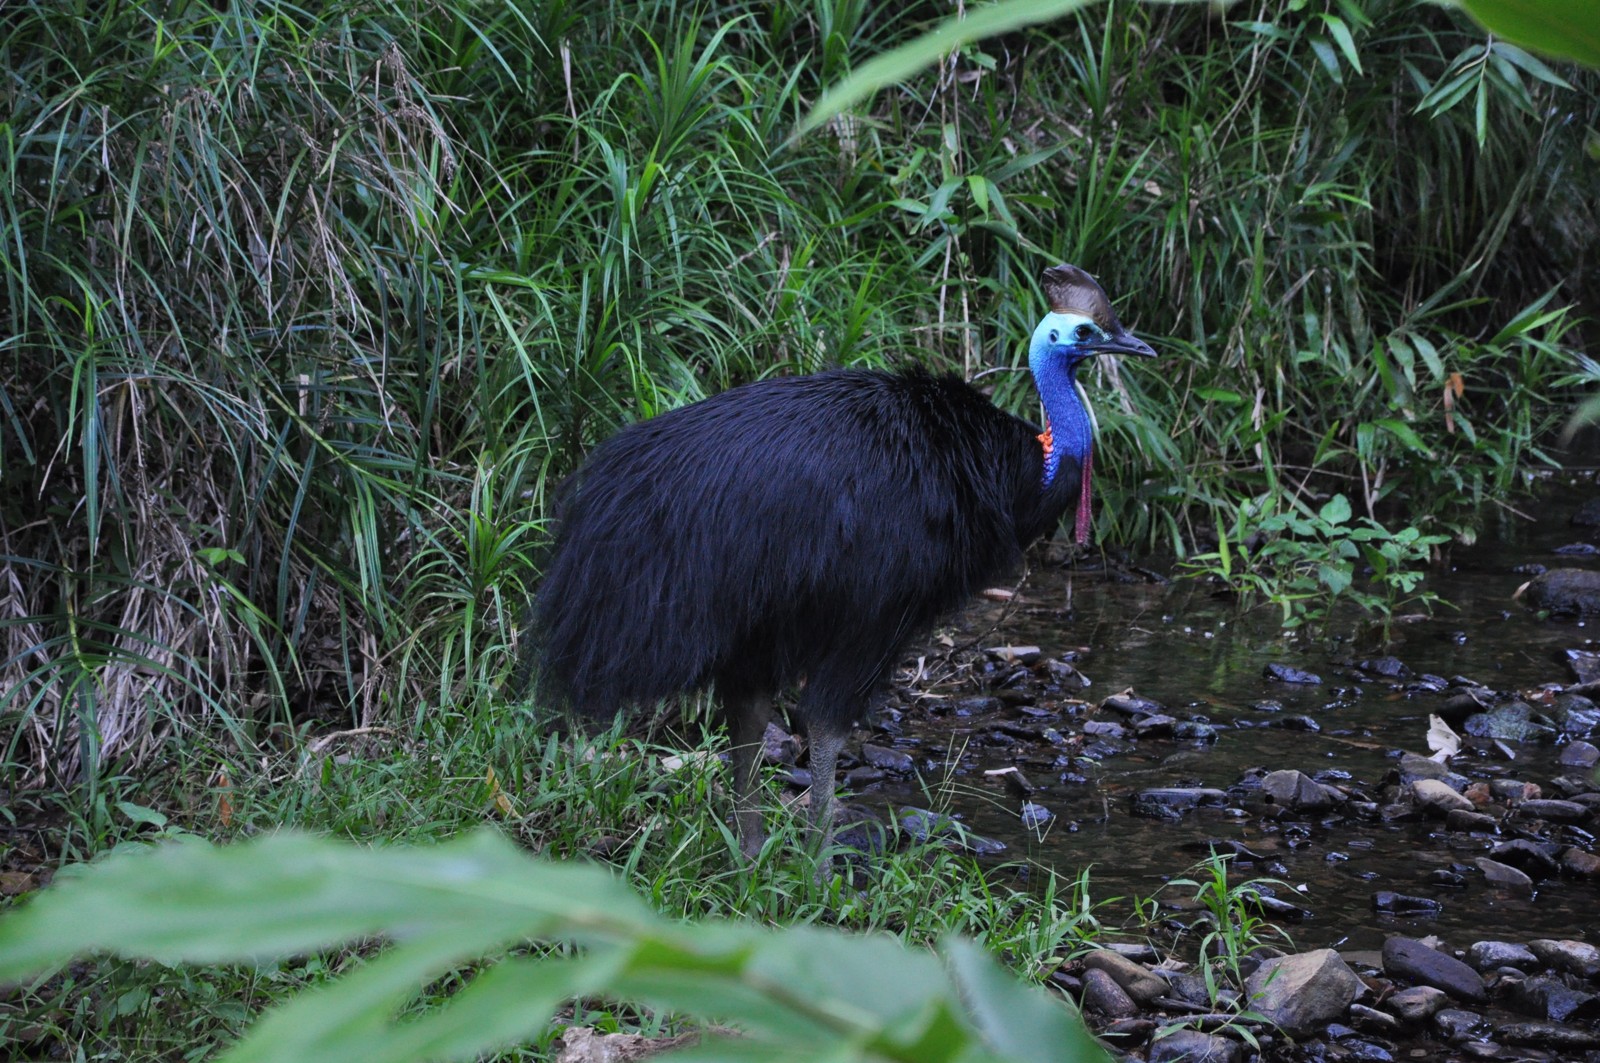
1201	657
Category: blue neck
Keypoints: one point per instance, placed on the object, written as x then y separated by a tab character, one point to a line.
1067	418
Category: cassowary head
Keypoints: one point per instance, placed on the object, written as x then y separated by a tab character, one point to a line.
1080	324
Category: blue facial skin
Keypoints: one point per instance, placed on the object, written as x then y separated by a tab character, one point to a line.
1060	343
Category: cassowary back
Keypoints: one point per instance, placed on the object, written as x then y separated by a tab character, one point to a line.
795	527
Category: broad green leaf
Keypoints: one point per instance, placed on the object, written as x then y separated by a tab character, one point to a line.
1340	32
1023	1025
187	900
803	994
1530	64
1569	29
1405	433
142	815
1336	510
1335	577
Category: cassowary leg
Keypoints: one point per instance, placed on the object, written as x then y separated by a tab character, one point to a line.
825	747
747	725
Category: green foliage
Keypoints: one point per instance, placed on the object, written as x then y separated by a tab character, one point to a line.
308	309
1236	930
1304	561
799	994
1567	28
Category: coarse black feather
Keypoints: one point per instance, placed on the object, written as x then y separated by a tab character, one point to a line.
792	528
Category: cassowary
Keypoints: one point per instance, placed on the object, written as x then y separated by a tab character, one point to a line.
801	530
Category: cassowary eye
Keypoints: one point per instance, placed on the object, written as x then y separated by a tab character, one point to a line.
1082	333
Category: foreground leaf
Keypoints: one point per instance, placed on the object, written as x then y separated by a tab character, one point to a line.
801	994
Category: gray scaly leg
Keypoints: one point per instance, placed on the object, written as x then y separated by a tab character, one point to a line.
825	747
748	718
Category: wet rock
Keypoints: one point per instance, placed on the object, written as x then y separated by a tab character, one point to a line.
1531	857
1155	726
860	829
1413	961
1303	993
1387	667
1129	1031
1361	1051
1438	797
1055	738
1193	1046
1067	678
1574	957
1371	1020
1505	877
1267	705
1457	1025
1564	591
888	759
1137	951
1553	1000
1102	994
1012	778
857	778
1514	790
1576	862
1171	802
1457	707
1277	908
779	746
1555	810
1283	673
1137	982
1130	704
1574	715
1489	955
1392	903
1035	816
1109	728
1194	731
1511	722
977	706
1104	748
922	825
1417	1004
1579	754
1547	1035
1460	819
1445	878
1584	664
1298	722
1413	767
1298	792
1577	550
1187	988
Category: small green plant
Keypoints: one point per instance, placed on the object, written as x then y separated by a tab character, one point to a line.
1304	561
1237	929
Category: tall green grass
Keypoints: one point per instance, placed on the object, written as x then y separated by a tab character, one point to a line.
308	307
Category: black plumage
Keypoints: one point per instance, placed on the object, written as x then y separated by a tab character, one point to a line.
790	531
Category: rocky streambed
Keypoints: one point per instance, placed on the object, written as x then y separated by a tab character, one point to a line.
1419	818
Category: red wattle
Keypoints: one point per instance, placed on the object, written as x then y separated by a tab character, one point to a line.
1085	514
